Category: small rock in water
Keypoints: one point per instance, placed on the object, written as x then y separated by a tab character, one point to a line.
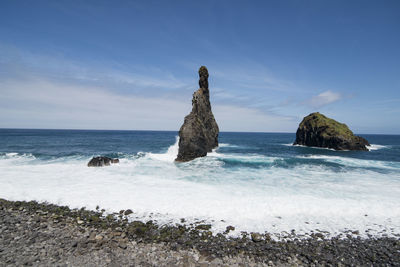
101	161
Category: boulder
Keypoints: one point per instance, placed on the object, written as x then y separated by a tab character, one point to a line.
199	132
101	161
317	130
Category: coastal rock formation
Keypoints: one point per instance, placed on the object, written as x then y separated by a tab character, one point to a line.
101	161
320	131
199	132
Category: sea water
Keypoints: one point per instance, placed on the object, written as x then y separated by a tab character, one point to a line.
253	181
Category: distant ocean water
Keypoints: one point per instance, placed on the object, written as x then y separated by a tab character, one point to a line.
253	181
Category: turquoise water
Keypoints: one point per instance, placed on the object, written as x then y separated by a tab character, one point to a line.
254	181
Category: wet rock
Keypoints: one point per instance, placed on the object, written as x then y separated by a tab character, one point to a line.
317	130
102	161
127	212
199	132
203	227
229	228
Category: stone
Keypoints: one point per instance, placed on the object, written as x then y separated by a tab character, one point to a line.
128	211
317	130
98	237
122	245
102	161
229	228
203	227
199	132
256	237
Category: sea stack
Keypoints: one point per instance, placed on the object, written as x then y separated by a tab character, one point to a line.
318	130
199	132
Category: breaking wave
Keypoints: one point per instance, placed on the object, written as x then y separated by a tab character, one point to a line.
253	192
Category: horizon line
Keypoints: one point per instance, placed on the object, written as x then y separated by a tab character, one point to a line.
78	129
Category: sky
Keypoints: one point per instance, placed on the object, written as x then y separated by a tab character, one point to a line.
132	65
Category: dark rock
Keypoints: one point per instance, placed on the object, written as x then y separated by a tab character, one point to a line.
101	161
229	228
128	211
203	227
199	132
318	130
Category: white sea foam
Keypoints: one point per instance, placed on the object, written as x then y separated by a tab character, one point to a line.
169	156
316	147
353	162
274	199
376	147
253	158
371	147
16	158
226	145
290	144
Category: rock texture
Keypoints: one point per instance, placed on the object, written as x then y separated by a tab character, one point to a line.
320	131
101	161
199	132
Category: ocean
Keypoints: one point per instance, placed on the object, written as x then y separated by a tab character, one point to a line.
253	181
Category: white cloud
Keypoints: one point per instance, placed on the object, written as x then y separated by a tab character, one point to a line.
324	99
44	104
234	118
50	91
39	103
23	63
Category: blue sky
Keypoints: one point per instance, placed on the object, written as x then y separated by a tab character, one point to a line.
133	64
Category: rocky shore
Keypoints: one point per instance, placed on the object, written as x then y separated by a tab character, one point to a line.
41	234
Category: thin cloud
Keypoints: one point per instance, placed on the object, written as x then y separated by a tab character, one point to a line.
40	103
20	62
324	98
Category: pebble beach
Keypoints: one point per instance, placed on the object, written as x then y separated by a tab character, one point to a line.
42	234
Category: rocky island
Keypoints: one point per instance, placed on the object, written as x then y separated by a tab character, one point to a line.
317	130
199	132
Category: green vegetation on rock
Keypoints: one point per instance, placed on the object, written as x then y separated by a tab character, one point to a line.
317	130
329	126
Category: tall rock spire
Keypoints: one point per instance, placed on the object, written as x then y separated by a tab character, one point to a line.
199	132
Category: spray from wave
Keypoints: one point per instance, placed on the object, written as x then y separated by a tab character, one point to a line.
170	155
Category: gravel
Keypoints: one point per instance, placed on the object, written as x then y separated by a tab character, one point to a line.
42	234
